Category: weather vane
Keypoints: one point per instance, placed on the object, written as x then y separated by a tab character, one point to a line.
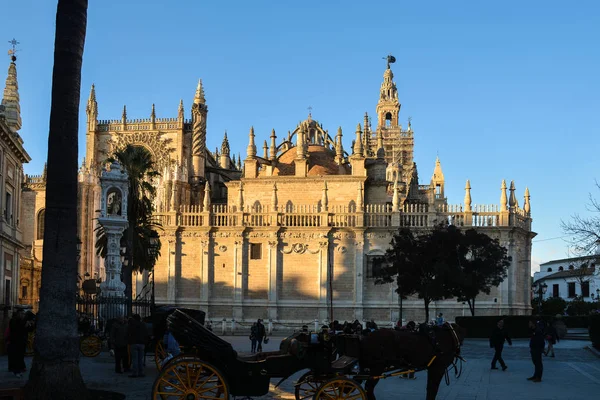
12	52
390	60
309	108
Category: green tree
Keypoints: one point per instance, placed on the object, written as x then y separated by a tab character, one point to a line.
143	227
483	264
55	371
421	265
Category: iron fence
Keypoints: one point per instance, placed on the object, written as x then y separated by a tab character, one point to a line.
99	310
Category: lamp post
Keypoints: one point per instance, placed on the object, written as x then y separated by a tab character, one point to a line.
540	289
153	251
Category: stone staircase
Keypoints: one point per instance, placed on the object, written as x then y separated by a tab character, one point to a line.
577	334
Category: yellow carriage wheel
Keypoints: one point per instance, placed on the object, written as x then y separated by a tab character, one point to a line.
340	389
306	387
29	346
189	378
90	346
160	353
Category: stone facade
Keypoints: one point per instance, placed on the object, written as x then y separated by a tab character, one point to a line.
12	158
295	228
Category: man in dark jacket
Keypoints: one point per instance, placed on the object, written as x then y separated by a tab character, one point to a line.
118	340
536	347
497	339
137	336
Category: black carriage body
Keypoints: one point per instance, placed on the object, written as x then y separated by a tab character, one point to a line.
251	375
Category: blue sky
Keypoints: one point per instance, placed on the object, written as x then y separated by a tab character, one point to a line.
500	90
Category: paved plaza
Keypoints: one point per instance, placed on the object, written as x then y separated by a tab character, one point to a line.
573	374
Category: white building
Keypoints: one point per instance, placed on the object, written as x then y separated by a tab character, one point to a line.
570	277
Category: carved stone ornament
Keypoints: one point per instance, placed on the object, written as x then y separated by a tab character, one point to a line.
298	248
149	140
342	249
272	244
222	248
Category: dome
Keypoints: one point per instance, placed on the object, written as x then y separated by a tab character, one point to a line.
321	161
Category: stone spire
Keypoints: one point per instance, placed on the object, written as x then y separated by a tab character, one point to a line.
324	198
124	115
153	113
199	97
180	111
527	204
225	145
251	149
273	147
503	198
380	149
274	197
92	105
10	98
301	143
512	200
438	175
339	149
265	150
199	119
358	146
468	196
239	161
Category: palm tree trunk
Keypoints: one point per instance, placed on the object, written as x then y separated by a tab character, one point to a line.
55	369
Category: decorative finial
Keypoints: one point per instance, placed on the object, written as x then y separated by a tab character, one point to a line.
12	52
153	113
358	147
180	106
468	196
503	197
199	97
527	204
309	113
512	200
225	145
124	116
251	149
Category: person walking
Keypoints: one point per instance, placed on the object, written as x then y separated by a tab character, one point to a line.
260	334
118	340
17	337
137	337
497	339
551	339
253	335
536	348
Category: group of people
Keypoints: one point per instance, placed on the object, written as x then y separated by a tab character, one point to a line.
258	333
541	334
128	338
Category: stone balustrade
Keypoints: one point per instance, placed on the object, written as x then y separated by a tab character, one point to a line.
370	216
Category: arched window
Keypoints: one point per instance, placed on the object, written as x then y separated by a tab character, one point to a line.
549	269
561	268
388	119
40	224
571	266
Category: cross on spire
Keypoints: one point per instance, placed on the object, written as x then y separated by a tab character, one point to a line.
309	108
13	51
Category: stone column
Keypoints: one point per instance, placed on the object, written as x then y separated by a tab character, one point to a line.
204	264
238	270
358	277
325	274
171	284
272	284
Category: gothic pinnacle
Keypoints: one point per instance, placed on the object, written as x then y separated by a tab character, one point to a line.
225	145
199	97
527	203
468	196
358	147
10	99
153	113
251	149
273	147
124	116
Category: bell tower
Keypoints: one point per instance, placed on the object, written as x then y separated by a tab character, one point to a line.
388	107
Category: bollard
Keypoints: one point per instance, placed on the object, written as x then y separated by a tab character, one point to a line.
223	327
233	327
316	325
270	327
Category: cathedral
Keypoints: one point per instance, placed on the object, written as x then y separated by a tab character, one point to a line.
288	234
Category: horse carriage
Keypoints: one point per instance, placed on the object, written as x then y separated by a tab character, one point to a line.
339	366
158	320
